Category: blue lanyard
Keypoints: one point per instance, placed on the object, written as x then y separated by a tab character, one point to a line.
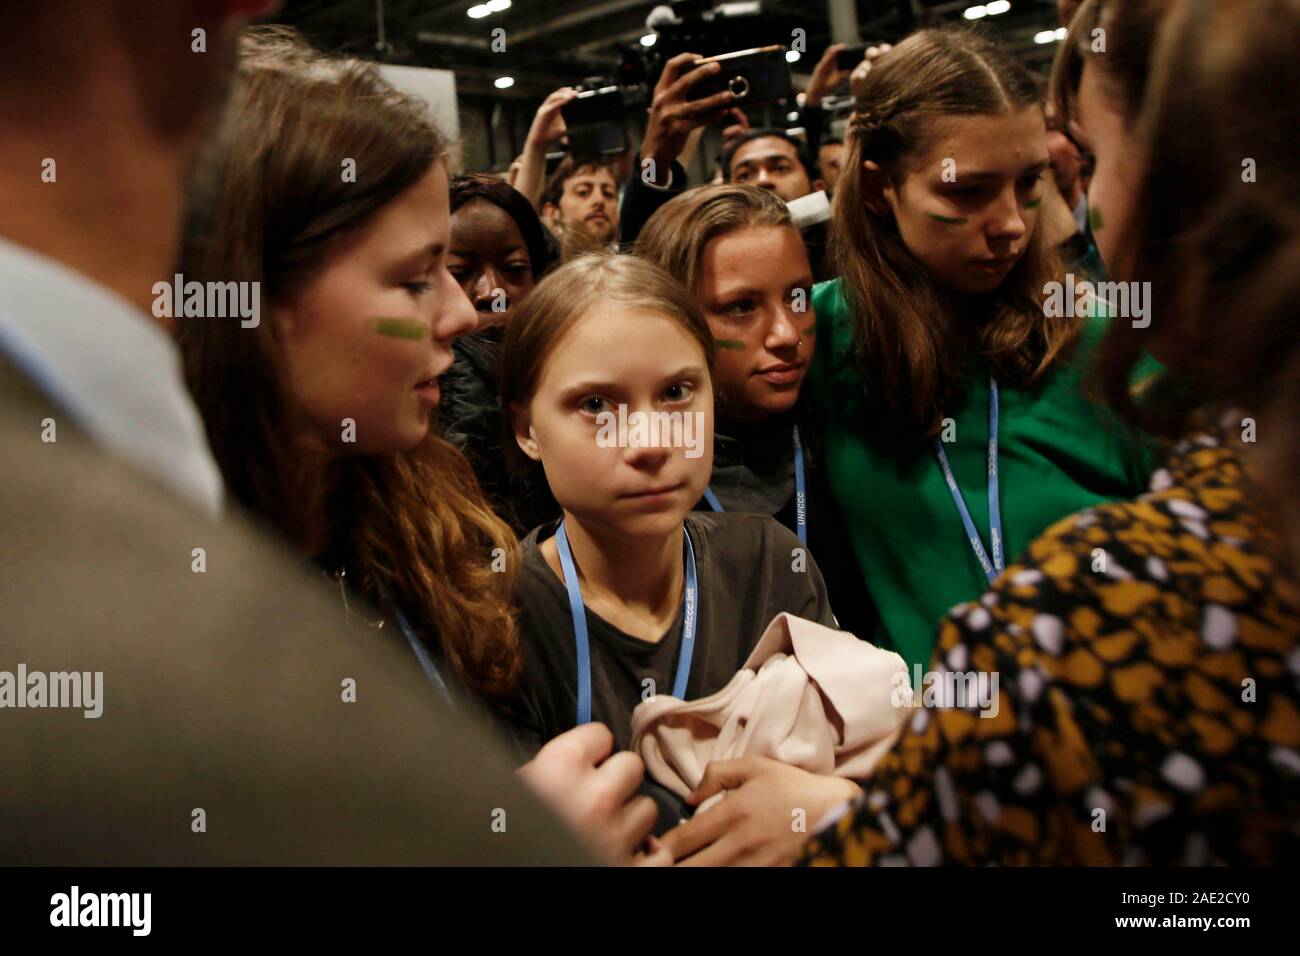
579	612
800	493
422	653
991	568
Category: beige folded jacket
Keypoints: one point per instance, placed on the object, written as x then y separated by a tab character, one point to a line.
808	696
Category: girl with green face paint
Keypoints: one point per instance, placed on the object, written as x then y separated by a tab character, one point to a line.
734	247
956	427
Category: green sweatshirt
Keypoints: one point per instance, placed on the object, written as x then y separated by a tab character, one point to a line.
1059	453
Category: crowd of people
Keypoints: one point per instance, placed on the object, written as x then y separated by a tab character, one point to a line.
882	428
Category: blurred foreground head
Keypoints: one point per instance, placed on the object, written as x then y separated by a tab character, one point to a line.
103	107
1192	114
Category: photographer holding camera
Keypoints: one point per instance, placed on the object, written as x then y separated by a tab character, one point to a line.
581	195
673	118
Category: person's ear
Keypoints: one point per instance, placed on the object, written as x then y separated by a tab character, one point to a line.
522	425
876	189
819	185
550	212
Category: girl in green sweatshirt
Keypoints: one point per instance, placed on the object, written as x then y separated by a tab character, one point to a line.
950	384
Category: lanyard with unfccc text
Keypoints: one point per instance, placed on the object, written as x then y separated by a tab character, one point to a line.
800	493
579	612
991	568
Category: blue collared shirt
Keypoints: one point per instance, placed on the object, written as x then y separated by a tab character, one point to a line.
112	369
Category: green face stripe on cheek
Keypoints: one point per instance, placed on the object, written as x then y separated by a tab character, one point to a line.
949	220
730	344
810	328
1094	217
412	329
1034	203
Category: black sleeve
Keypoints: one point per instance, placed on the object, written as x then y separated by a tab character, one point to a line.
813	121
640	202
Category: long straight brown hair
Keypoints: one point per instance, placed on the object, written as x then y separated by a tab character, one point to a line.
914	339
412	528
1215	226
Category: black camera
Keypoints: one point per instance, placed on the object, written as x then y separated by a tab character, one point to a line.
595	119
697	26
851	56
752	76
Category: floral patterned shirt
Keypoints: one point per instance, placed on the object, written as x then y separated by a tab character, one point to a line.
1148	674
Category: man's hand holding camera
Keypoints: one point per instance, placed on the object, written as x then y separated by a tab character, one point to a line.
673	117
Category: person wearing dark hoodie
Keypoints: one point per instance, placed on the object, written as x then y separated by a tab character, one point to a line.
499	250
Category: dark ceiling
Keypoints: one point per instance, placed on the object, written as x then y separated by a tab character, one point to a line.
553	43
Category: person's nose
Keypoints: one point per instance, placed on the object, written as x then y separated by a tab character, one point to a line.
648	457
1007	224
651	454
486	289
784	333
457	315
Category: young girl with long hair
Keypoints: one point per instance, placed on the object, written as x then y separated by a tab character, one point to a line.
632	593
955	425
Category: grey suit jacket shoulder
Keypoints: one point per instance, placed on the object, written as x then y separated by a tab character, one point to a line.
222	692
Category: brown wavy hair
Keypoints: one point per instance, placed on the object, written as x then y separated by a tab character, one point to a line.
914	339
412	528
1204	87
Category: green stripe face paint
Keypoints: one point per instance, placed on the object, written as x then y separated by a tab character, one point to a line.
948	220
730	344
1034	203
412	329
1094	218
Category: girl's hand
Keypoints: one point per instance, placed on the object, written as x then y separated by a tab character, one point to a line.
594	795
764	818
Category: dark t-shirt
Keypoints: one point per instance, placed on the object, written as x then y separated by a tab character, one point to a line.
746	568
753	470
